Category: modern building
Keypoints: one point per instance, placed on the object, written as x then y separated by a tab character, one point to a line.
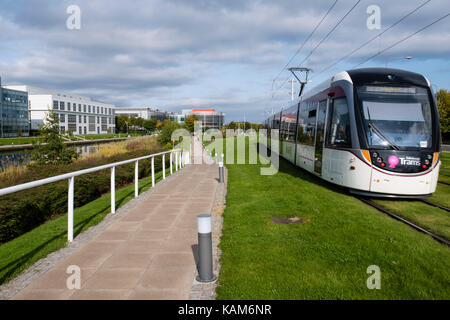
14	120
77	114
209	118
145	113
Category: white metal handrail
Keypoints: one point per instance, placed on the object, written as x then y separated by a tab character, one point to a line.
71	177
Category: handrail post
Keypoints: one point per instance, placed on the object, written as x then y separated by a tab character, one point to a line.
153	171
164	166
70	210
113	190
136	179
171	160
176	160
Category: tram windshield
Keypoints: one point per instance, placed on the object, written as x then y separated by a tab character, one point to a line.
396	117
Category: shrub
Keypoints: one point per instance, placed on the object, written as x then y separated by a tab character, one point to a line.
22	211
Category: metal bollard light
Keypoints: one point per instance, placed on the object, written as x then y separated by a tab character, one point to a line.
205	261
221	172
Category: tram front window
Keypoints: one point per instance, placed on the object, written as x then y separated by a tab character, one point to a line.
396	117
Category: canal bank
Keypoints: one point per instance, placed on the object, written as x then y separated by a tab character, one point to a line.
20	147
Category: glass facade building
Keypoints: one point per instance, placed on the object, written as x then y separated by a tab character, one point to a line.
209	118
14	120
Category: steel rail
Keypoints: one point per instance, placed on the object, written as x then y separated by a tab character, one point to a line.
409	223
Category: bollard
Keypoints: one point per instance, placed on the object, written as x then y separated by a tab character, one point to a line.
221	172
205	261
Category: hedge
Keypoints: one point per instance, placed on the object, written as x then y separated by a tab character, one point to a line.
22	211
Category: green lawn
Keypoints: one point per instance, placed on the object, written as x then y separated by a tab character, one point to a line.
109	136
22	252
29	140
16	141
422	214
327	256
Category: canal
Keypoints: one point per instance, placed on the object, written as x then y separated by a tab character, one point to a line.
22	157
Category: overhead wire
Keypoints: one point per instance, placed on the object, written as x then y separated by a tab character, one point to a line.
402	40
372	39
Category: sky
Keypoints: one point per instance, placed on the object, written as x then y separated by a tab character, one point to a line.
228	55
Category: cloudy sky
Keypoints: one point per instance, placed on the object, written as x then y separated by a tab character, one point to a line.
229	55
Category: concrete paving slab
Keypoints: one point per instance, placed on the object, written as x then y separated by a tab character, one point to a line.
145	254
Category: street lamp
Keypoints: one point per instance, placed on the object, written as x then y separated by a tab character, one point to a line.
393	59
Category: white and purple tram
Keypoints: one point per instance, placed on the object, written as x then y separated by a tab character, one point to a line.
374	131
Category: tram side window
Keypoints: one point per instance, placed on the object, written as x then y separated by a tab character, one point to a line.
307	124
339	125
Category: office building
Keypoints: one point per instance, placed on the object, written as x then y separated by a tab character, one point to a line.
209	118
145	113
78	114
14	120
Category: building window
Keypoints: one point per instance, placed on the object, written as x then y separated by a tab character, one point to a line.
68	106
84	108
91	123
104	124
62	117
79	119
89	109
61	105
55	104
72	127
79	107
84	119
72	118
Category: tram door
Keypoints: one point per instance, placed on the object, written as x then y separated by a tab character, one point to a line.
320	136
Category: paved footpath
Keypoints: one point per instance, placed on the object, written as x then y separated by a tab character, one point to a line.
145	254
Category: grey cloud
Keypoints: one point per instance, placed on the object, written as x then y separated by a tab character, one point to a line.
164	51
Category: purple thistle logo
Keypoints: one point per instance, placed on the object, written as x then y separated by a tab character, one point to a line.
393	161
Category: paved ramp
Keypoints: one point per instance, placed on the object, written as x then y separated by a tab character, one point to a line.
145	254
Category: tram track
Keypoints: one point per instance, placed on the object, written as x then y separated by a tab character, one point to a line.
434	205
405	221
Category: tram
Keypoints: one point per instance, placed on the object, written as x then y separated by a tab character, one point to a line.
374	131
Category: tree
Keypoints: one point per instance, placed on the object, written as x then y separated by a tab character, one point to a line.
139	122
159	125
231	125
443	102
150	125
189	122
165	137
121	123
50	148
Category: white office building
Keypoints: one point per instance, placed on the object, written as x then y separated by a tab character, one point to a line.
77	114
145	113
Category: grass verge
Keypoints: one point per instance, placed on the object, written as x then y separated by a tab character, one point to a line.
20	253
325	257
